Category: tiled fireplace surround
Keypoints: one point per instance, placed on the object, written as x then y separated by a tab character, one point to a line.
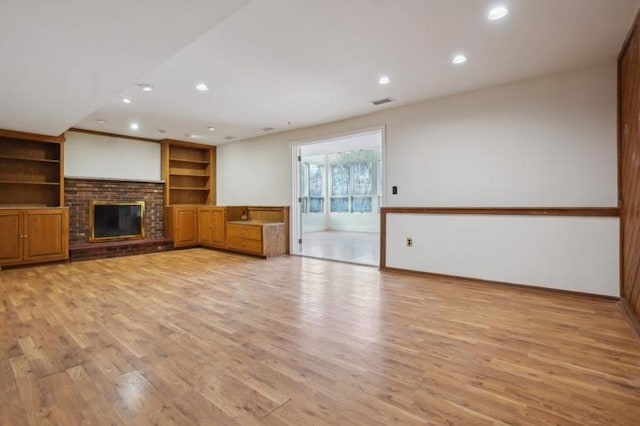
77	194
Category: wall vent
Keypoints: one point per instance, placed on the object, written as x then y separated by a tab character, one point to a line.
383	101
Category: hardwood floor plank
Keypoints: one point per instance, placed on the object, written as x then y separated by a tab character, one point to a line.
13	410
204	337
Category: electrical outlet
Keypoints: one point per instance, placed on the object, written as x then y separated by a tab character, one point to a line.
394	190
409	242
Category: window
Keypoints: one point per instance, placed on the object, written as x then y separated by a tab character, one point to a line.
362	187
312	188
316	186
352	187
340	188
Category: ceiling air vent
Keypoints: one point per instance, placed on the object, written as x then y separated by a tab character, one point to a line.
383	101
267	129
229	138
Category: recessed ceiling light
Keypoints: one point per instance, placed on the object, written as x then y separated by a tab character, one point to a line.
202	87
134	126
100	121
126	100
384	80
211	128
497	13
192	136
459	59
145	87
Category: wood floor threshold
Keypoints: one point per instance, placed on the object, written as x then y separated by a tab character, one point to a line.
346	262
527	287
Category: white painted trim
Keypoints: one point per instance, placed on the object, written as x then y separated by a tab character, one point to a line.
115	179
295	223
339	135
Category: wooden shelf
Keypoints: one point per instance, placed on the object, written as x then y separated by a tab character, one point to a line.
20	158
189	172
187	188
31	170
183	160
202	175
25	182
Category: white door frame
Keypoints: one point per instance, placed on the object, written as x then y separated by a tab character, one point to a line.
296	149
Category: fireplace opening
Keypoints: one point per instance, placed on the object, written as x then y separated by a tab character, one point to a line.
111	221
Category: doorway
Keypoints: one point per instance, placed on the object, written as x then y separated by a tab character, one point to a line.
338	192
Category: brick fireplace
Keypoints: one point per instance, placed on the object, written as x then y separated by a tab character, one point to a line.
78	192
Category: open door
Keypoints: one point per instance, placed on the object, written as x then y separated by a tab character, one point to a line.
338	190
296	202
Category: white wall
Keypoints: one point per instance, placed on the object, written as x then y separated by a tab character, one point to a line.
106	157
544	142
539	143
569	253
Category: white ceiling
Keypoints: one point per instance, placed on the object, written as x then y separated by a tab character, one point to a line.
279	63
63	59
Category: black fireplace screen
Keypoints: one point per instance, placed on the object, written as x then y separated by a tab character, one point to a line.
117	220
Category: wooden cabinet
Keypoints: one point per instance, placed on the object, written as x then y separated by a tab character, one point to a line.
181	225
211	224
33	235
189	172
11	241
262	231
257	237
31	170
33	226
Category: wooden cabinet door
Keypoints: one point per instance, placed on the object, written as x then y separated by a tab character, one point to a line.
185	227
10	237
45	235
218	225
205	225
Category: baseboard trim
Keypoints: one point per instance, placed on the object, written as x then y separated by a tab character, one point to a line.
502	283
628	313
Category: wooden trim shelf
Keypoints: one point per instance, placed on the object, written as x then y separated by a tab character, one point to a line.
188	188
201	175
25	182
509	211
183	160
11	134
39	160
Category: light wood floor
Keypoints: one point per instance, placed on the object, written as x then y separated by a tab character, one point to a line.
355	247
203	337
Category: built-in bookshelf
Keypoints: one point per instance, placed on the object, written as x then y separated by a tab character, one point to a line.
189	172
31	170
